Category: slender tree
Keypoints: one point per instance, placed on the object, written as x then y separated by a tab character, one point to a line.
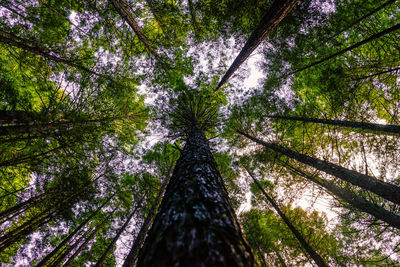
386	190
277	12
139	239
384	128
351	198
349	48
72	234
310	251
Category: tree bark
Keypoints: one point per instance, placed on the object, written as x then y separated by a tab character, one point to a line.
139	240
278	11
196	225
354	200
386	190
313	254
350	124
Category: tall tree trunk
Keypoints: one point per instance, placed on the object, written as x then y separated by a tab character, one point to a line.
40	219
15	116
31	158
277	12
45	127
72	234
23	205
351	198
87	240
123	10
103	257
139	240
350	124
193	19
280	258
386	190
13	40
12	193
361	19
367	40
196	225
313	254
376	74
156	17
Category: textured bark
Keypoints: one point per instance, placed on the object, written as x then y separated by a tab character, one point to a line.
278	11
123	10
139	240
195	225
367	40
350	124
386	190
354	200
313	254
71	235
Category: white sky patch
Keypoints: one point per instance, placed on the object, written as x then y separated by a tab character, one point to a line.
255	73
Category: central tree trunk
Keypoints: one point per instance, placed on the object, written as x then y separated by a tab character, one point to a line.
196	225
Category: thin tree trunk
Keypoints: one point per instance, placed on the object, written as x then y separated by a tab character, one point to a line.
281	260
260	254
196	225
100	262
193	19
139	240
362	18
367	40
350	124
11	193
123	10
376	74
27	158
277	12
71	235
351	198
313	254
90	237
21	205
386	190
46	127
15	116
156	17
42	218
11	39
